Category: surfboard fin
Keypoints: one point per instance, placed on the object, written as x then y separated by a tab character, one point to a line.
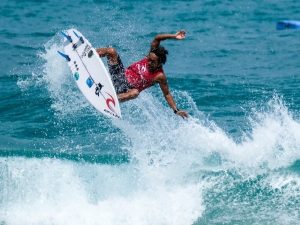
80	38
65	56
67	36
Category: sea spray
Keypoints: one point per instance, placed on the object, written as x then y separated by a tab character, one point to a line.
179	171
48	191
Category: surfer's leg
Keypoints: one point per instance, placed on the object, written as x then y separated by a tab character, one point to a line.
110	53
117	73
130	94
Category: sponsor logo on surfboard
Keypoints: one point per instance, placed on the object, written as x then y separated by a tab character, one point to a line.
111	113
86	49
90	54
110	101
89	82
76	76
76	66
98	88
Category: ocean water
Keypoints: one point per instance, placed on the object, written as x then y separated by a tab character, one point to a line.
236	160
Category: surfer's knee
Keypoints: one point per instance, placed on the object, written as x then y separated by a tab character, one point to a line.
101	52
112	52
109	52
112	56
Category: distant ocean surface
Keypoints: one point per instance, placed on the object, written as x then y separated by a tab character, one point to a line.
236	160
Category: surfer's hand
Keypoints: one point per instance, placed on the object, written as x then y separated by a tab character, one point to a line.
180	35
183	114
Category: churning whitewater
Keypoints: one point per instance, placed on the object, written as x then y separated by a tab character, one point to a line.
176	169
234	161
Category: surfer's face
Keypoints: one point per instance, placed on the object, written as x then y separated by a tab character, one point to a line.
153	62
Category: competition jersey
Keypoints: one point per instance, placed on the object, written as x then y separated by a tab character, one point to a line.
139	76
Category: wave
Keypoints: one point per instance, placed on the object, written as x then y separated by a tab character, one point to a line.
59	192
179	171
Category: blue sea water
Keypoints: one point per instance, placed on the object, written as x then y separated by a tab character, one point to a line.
236	160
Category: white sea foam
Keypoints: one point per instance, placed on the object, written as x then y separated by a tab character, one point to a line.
272	142
50	191
54	74
161	184
66	97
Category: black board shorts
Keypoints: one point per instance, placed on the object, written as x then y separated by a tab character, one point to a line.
117	73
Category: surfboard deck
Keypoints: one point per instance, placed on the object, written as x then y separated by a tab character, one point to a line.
90	74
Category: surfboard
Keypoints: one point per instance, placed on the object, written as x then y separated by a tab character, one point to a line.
90	73
288	24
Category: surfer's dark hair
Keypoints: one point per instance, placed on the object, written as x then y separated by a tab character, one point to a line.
161	53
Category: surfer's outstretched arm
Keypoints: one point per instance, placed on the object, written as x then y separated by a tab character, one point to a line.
161	37
163	83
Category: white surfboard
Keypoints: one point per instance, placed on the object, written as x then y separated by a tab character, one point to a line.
90	74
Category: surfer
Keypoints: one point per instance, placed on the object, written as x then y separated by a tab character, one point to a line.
144	73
